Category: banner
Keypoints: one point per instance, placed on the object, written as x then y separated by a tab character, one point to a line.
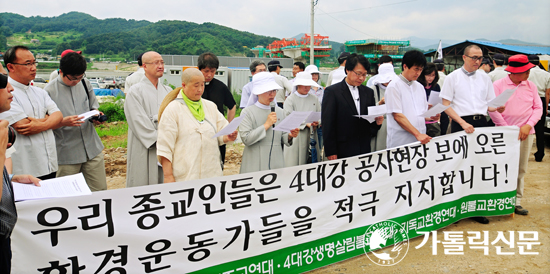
288	220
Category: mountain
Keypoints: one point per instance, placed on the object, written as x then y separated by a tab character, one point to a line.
432	44
116	36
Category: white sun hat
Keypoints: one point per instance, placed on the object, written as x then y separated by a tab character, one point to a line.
386	74
263	82
312	69
304	79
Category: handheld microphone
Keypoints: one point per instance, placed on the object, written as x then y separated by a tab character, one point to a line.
272	105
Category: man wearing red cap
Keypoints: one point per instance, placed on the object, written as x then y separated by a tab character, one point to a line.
55	73
523	109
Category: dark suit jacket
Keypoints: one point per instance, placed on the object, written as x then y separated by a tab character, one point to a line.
343	134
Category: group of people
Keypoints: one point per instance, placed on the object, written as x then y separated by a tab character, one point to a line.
170	135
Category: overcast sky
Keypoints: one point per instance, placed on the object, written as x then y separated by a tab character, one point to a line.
341	20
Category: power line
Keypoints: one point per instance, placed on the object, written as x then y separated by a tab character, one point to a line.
373	7
346	24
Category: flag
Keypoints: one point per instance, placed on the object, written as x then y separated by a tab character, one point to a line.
439	51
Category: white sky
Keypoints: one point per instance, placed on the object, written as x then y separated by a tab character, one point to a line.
527	20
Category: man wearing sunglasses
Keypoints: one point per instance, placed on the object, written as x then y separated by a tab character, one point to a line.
469	92
79	148
33	115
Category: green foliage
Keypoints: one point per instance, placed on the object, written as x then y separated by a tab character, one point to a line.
121	128
237	97
3	43
113	110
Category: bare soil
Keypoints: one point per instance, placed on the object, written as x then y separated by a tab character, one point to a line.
536	199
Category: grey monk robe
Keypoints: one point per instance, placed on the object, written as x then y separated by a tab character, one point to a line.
298	152
141	109
257	140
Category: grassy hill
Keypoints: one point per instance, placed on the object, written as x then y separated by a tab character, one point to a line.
121	37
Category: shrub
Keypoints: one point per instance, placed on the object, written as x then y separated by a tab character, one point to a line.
113	110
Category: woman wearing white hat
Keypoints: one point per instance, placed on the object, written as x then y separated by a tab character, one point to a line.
302	100
263	146
385	75
319	92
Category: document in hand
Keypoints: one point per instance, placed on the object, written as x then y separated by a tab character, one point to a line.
230	127
434	98
292	121
89	114
502	98
434	111
72	185
313	117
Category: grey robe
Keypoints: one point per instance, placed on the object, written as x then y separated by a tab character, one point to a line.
141	108
378	142
258	141
298	152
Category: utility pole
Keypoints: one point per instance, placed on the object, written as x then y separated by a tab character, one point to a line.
311	47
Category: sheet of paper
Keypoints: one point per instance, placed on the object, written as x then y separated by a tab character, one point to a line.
502	98
89	114
434	110
230	127
377	110
73	185
369	118
313	117
434	98
292	121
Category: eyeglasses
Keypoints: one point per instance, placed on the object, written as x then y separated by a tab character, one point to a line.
156	63
475	58
33	64
76	78
360	75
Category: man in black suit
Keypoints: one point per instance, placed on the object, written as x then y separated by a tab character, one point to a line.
344	134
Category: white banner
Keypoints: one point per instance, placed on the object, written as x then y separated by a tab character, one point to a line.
191	226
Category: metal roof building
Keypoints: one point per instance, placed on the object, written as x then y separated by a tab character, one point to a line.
453	53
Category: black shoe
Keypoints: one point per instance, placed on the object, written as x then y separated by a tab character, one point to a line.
538	158
481	220
521	211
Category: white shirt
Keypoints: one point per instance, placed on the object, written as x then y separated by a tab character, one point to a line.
498	73
442	76
336	76
54	75
285	84
370	82
133	79
469	95
35	154
245	95
355	95
541	79
409	99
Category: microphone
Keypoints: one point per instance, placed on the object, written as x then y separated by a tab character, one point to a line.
272	106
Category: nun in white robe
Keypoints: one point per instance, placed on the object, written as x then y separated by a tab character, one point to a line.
302	100
263	146
385	75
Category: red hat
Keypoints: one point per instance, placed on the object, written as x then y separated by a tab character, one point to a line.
69	51
518	64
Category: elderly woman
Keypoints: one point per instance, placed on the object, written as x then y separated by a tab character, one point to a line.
302	100
263	146
385	75
185	146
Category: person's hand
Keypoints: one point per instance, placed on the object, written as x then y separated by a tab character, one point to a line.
26	179
271	120
72	121
430	105
32	127
524	132
332	157
382	101
501	109
4	135
379	120
436	117
169	179
96	122
230	137
423	138
467	127
315	124
294	133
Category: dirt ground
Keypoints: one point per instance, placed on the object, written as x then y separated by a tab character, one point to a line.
536	199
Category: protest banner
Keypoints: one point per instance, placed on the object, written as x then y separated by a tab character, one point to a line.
288	220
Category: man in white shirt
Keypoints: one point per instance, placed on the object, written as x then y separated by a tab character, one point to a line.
337	75
135	77
255	67
498	73
485	65
33	115
384	59
541	78
275	68
468	93
406	101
